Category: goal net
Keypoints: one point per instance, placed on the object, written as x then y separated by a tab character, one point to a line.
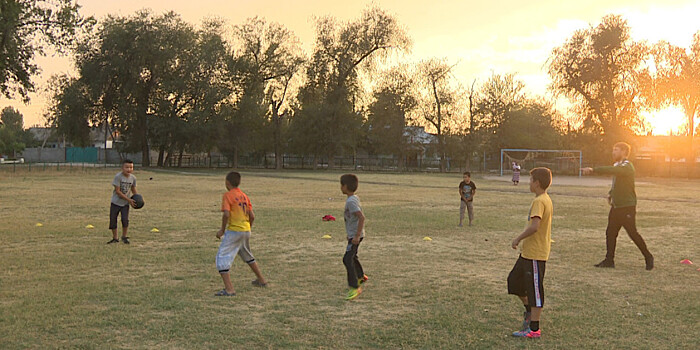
561	162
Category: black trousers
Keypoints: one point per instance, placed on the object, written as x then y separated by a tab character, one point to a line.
352	264
114	211
618	218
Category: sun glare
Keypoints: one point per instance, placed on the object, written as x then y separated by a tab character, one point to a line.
666	121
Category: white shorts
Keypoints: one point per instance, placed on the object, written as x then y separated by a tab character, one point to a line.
233	243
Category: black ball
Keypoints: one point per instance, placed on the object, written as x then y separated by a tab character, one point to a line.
139	201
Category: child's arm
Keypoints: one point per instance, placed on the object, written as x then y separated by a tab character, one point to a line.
251	217
123	196
529	231
133	189
360	227
224	222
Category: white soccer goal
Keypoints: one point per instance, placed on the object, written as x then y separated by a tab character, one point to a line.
559	161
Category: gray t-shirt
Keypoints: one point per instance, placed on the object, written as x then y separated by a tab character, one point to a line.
352	206
125	184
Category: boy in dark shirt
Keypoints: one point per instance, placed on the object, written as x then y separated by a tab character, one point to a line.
467	189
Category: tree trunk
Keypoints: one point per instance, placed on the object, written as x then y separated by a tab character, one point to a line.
279	164
441	152
331	161
161	154
145	150
179	159
166	161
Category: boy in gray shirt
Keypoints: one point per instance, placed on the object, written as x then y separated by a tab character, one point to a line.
123	183
355	229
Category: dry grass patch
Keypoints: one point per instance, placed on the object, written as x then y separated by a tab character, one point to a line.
61	286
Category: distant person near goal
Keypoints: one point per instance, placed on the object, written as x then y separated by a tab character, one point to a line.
623	205
516	174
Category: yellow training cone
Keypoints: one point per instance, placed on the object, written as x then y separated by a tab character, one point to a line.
38	224
155	230
89	226
326	236
426	238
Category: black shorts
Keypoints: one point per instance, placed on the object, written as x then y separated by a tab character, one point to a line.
114	211
526	280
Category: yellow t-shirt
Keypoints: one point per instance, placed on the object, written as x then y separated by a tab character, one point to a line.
238	204
537	246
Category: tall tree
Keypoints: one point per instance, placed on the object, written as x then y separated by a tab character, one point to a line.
328	117
677	81
599	69
13	137
532	124
498	97
146	76
270	56
27	28
187	104
389	113
441	101
71	111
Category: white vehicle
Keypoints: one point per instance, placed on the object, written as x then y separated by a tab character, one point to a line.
4	160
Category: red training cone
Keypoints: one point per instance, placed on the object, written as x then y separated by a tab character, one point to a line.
686	262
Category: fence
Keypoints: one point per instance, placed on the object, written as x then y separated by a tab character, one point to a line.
55	166
75	155
370	163
644	167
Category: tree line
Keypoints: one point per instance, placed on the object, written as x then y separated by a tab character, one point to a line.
164	84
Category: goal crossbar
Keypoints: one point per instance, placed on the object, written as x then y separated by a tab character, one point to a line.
580	155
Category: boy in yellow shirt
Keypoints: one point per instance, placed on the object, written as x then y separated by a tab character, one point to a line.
525	280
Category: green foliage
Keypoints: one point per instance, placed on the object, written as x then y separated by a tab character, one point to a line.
27	27
13	137
497	98
389	114
530	125
327	100
269	58
156	80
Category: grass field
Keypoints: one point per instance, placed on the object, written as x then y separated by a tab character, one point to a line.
62	287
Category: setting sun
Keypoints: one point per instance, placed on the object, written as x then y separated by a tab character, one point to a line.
666	121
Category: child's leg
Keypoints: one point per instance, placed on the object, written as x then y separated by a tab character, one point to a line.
359	272
535	315
462	206
248	257
470	208
226	277
125	220
349	262
230	244
536	293
256	271
113	213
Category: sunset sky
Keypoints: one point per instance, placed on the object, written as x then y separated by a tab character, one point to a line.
481	37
